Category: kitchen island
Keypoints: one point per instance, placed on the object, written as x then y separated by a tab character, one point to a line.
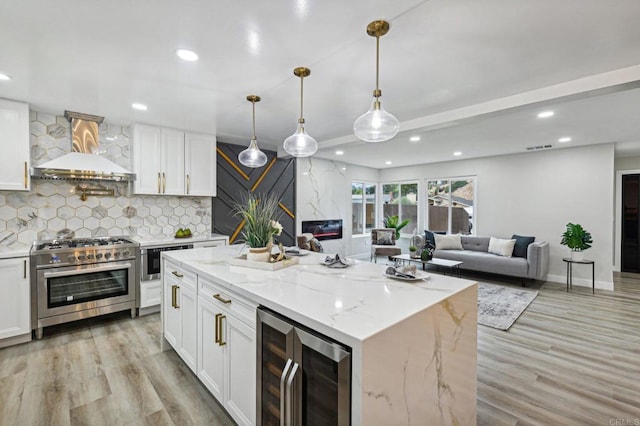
414	344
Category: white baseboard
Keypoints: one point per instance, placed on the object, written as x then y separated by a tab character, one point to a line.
582	282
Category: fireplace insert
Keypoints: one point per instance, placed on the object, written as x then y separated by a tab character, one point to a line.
323	229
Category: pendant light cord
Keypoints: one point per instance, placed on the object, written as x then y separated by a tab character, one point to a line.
377	66
301	99
253	104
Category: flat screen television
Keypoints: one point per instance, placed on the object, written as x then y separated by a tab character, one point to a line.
323	229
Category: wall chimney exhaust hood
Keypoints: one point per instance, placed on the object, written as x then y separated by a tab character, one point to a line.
83	162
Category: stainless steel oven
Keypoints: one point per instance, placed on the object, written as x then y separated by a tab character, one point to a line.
150	261
76	279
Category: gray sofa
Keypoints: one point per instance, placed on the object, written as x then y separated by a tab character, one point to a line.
476	257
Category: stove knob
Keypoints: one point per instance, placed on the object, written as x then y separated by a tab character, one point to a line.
81	257
71	258
90	256
107	255
54	259
99	256
116	254
125	253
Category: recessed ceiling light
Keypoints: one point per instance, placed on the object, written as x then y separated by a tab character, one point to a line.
564	139
339	152
545	114
140	107
457	153
414	138
5	76
187	55
387	162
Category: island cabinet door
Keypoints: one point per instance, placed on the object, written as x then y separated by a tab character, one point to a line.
304	377
210	353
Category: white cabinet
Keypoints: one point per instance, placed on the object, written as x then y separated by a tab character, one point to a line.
200	165
158	160
15	303
14	143
222	241
179	312
150	293
170	162
227	349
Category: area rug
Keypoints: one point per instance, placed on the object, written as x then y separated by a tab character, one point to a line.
499	307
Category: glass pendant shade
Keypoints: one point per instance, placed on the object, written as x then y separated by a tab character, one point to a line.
376	125
300	144
252	156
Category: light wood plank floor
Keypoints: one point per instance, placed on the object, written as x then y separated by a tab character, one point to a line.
570	359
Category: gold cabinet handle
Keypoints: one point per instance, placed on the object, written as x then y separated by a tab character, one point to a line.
174	296
26	176
164	183
221	342
25	269
188	184
218	328
159	184
177	274
222	299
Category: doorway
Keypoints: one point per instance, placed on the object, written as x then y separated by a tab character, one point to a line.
630	220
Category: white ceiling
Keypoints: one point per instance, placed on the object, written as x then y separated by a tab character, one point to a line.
465	75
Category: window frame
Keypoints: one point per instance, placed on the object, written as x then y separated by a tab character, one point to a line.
417	204
365	184
474	216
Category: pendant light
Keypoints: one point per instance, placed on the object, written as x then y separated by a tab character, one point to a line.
376	125
300	144
252	156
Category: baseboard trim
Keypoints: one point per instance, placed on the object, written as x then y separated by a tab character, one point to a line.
581	282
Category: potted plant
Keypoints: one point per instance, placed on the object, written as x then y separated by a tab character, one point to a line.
427	253
577	239
260	214
413	251
393	222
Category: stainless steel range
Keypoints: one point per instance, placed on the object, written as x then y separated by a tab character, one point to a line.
78	278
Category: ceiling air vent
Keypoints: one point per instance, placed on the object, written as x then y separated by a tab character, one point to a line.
539	147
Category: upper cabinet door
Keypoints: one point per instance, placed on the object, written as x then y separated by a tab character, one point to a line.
146	159
200	165
14	142
172	162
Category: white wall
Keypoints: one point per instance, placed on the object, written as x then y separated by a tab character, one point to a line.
536	194
323	191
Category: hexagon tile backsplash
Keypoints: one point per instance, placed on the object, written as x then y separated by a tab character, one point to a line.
53	206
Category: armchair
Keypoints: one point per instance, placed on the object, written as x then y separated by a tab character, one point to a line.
383	243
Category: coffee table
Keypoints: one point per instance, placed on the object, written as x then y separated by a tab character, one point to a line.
444	264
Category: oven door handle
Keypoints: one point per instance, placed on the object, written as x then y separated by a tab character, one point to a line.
87	270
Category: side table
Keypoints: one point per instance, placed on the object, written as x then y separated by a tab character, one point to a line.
570	263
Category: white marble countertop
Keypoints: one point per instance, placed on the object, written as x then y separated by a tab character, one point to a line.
14	250
348	304
163	239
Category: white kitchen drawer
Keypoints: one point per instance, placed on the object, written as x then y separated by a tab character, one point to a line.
150	293
242	308
184	276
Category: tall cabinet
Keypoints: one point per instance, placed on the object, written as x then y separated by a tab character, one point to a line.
15	303
14	142
172	162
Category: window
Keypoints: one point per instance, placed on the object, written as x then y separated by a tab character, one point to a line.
401	199
450	205
363	207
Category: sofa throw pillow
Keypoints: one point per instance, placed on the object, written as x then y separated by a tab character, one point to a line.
385	238
501	246
522	244
448	242
429	238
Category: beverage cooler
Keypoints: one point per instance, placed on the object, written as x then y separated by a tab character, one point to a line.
303	378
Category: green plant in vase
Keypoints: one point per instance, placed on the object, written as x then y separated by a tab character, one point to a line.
577	239
393	222
412	251
260	215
